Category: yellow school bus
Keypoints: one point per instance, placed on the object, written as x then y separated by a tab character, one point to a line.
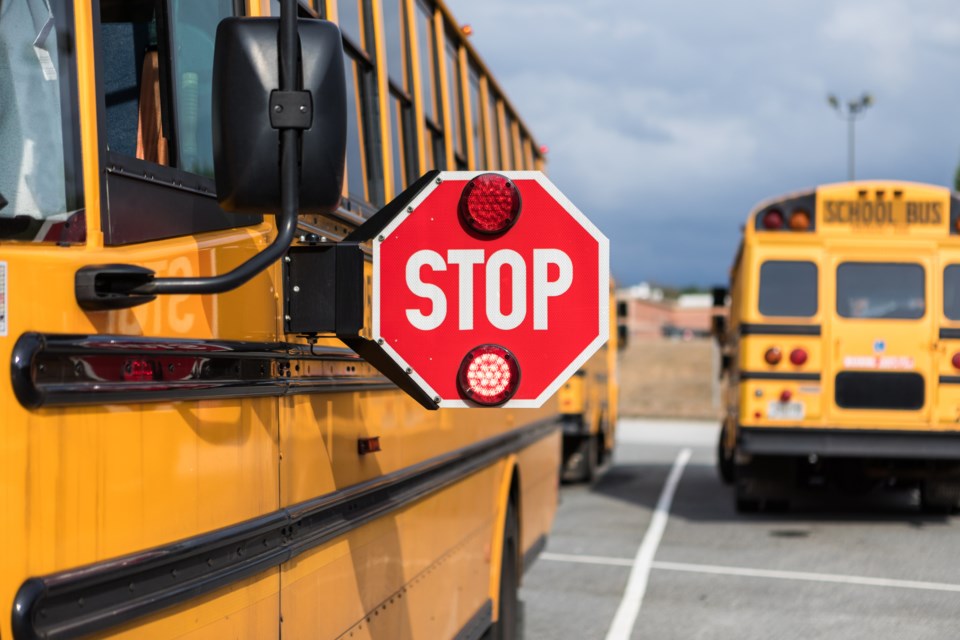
842	352
588	404
175	460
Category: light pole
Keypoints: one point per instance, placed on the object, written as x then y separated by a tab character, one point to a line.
851	111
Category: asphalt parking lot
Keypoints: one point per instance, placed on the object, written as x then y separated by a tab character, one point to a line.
654	549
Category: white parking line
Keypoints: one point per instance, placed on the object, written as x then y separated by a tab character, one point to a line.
804	575
629	607
760	573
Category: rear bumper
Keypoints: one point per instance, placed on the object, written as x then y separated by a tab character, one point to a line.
841	443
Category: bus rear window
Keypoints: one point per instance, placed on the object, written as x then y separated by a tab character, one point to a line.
880	290
951	292
788	289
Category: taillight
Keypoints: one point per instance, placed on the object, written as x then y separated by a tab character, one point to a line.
773	355
799	220
489	375
798	356
785	395
489	204
140	370
773	220
955	360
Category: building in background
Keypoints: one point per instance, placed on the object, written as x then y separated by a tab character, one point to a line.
649	312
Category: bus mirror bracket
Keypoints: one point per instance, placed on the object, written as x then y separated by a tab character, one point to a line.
300	103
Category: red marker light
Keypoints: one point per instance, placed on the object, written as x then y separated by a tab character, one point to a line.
772	220
489	204
139	370
773	355
798	356
489	375
955	360
785	395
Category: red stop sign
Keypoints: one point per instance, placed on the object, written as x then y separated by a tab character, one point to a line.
539	289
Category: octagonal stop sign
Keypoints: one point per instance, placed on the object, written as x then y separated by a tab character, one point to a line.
490	289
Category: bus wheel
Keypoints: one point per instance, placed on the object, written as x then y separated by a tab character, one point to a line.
725	465
581	464
507	625
938	497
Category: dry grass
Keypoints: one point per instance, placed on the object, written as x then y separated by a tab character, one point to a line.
668	379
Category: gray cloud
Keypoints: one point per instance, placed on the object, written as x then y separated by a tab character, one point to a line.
667	120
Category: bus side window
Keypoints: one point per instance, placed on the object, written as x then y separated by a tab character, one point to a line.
156	76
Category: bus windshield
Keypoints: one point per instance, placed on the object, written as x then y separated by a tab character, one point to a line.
880	290
37	173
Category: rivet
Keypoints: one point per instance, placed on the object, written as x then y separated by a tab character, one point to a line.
439	180
287	318
380	238
303	108
410	209
409	370
296	288
379	340
286	258
278	108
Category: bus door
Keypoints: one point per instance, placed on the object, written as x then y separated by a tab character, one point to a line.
881	374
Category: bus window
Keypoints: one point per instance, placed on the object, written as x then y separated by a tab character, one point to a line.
402	122
193	27
453	98
429	86
356	170
788	289
39	132
476	126
494	121
348	19
880	290
951	292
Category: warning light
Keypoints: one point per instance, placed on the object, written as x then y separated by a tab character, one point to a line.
773	220
466	30
800	220
798	356
490	204
773	355
489	375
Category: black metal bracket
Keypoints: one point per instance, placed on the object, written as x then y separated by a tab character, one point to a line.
324	289
291	109
3	201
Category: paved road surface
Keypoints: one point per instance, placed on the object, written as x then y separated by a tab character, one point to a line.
636	556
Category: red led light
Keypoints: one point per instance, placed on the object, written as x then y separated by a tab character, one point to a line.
489	204
798	356
772	220
785	395
955	360
139	371
489	375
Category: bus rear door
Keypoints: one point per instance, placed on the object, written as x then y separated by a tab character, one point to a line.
881	373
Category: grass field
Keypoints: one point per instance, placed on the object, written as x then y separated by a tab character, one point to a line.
669	379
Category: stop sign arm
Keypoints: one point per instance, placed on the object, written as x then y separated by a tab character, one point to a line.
378	221
367	349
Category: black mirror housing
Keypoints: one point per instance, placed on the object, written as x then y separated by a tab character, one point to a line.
246	145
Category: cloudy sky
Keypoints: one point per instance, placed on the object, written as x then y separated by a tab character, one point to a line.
667	120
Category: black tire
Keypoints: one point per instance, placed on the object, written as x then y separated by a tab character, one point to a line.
507	625
939	498
580	464
725	464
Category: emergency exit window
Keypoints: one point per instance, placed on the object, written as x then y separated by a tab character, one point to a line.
788	289
880	290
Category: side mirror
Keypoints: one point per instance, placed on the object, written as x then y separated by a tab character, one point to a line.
719	296
245	142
